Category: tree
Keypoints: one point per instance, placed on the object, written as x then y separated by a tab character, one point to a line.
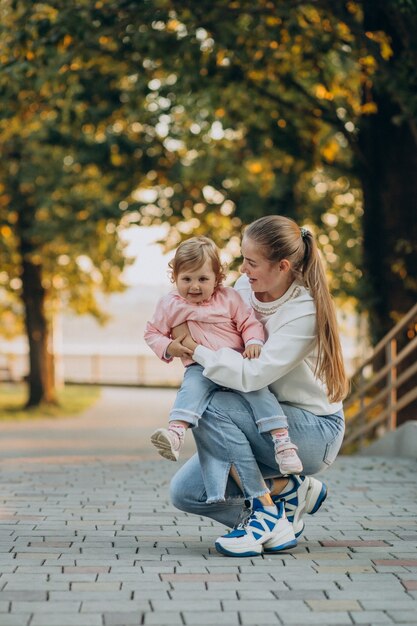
312	94
388	144
252	143
77	137
204	115
66	165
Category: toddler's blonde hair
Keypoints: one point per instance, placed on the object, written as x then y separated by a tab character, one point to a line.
192	254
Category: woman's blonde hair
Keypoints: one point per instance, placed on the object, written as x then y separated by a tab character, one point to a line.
281	238
193	253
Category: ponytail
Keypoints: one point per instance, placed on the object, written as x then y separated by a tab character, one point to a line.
330	366
281	238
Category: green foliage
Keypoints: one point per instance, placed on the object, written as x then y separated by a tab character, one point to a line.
265	103
65	165
275	96
200	115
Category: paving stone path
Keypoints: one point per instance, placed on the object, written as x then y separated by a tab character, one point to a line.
88	536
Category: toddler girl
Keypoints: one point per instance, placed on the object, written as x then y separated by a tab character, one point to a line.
217	317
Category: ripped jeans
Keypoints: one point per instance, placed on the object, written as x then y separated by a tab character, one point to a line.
195	393
228	436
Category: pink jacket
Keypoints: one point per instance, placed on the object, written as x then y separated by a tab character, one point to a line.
223	321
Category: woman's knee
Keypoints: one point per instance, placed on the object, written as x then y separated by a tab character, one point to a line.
187	491
177	493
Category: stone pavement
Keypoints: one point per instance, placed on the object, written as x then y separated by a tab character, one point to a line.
88	536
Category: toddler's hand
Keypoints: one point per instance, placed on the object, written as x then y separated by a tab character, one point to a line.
252	351
176	348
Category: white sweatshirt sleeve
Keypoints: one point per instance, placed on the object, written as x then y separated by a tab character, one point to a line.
285	348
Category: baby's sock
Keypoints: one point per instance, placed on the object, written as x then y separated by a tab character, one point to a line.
281	436
178	430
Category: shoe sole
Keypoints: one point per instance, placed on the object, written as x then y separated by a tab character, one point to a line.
163	445
285	539
280	548
227	552
283	546
290	472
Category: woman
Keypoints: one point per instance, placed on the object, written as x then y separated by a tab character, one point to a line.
302	364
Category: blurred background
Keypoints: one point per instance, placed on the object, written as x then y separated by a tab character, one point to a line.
124	124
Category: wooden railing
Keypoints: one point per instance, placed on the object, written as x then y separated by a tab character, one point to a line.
383	386
100	369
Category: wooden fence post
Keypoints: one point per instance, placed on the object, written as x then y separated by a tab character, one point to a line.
391	354
362	410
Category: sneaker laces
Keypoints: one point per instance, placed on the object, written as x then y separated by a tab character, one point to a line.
250	515
243	518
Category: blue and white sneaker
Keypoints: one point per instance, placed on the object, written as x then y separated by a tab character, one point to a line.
306	496
262	531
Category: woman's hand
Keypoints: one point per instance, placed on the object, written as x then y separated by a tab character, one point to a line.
182	335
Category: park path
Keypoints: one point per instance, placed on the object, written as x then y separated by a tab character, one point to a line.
88	536
118	426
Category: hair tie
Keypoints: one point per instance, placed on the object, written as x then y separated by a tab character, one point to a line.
304	232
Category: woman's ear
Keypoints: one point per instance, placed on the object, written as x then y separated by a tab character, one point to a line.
284	265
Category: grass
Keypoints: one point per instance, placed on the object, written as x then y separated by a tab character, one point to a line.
73	399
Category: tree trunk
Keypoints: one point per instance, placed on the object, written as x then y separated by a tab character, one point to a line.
389	221
389	182
41	386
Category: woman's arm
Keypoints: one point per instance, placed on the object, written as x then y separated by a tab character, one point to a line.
284	350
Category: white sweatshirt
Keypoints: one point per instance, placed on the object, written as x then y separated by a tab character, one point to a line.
288	358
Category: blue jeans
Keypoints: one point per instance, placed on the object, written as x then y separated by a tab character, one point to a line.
228	436
196	390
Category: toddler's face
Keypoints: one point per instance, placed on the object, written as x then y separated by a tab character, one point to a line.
197	285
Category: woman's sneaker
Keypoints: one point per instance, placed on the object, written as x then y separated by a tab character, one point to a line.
306	495
262	531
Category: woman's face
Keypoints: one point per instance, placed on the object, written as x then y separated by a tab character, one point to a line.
271	279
